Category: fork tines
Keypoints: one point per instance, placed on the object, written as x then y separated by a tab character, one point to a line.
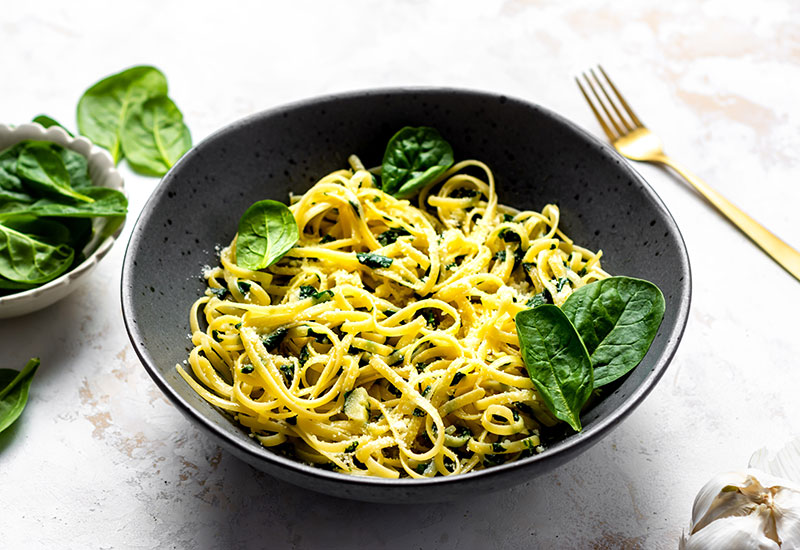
615	125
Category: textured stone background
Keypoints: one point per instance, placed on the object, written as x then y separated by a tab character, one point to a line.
100	459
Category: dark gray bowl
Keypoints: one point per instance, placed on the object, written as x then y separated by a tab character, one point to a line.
537	157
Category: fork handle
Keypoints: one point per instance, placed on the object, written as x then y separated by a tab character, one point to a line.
785	255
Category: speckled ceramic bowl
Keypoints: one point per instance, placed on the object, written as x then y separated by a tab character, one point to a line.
103	174
537	157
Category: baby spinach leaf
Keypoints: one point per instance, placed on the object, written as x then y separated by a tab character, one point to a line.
414	157
103	108
44	170
14	388
47	122
107	202
154	136
77	166
370	259
267	230
5	284
24	259
617	318
557	361
12	196
48	231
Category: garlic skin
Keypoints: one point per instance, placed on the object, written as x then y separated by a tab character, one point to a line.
781	462
747	510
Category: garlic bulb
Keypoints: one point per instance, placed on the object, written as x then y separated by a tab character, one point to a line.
748	510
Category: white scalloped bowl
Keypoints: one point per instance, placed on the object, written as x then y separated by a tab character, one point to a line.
103	174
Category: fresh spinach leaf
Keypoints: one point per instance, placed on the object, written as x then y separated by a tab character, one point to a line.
267	230
617	318
12	196
414	157
370	259
44	170
154	136
24	259
47	122
556	360
7	285
104	107
14	388
77	166
46	230
106	202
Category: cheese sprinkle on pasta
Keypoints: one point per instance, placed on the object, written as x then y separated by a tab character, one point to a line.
384	342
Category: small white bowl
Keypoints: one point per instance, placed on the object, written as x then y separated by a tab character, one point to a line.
103	174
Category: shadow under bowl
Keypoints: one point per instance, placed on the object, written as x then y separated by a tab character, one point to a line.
537	158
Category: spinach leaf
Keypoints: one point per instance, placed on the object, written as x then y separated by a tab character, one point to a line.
46	230
103	108
14	387
9	179
370	259
12	196
106	202
617	318
414	157
47	122
77	166
557	361
44	170
24	259
5	284
154	136
267	231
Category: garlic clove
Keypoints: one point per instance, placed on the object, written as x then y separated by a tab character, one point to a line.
786	509
719	498
734	533
783	462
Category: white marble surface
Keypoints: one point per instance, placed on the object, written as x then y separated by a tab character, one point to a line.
100	459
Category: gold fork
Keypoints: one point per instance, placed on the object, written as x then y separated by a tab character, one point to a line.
633	140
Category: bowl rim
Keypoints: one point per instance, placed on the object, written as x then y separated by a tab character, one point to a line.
552	457
94	155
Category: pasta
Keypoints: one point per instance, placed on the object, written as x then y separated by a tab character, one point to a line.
384	343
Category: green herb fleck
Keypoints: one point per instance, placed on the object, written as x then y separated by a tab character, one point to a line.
318	336
391	235
307	291
352	447
288	371
320	297
370	259
273	340
305	355
247	369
